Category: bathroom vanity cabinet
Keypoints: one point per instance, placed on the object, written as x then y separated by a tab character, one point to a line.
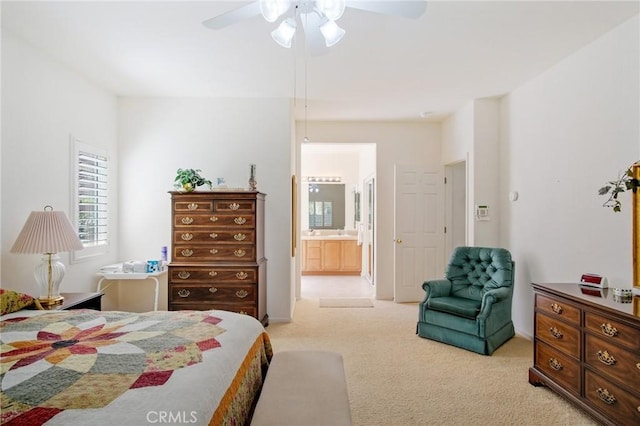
331	256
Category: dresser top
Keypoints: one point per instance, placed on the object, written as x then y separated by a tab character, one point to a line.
602	299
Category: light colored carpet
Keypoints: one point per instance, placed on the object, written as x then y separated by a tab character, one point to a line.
396	378
345	302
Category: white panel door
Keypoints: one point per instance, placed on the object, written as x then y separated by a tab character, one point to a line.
419	230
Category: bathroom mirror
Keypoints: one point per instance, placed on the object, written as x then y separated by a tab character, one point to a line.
326	206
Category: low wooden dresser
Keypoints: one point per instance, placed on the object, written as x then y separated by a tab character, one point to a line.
217	252
587	349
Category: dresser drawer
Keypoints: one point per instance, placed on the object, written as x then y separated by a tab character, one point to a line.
622	406
214	274
558	366
214	236
241	309
558	334
194	205
558	309
613	361
193	220
204	293
614	331
214	253
225	206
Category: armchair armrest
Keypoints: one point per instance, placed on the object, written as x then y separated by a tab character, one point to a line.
437	288
493	296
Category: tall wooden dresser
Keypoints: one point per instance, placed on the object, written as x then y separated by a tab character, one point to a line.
587	349
217	252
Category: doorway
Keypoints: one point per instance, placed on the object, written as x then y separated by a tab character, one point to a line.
337	257
455	206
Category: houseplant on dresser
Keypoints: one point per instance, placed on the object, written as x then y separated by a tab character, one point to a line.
189	179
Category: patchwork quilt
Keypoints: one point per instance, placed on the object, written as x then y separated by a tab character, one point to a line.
87	367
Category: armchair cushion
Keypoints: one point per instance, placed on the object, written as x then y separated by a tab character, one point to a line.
467	308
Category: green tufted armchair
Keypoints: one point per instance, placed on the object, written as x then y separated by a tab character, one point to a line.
471	307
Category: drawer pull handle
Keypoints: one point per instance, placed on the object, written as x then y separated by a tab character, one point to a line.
239	253
212	289
213	235
638	365
213	251
240	220
555	333
184	293
183	275
213	218
605	396
242	275
234	206
609	330
556	308
605	358
240	237
243	313
192	206
555	364
187	252
187	220
212	273
187	237
242	293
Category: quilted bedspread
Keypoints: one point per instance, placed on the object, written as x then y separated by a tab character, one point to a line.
88	367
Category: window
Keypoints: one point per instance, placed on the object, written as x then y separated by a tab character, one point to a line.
320	214
90	199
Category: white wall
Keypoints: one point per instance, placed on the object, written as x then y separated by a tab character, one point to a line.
486	166
564	135
43	103
396	143
221	137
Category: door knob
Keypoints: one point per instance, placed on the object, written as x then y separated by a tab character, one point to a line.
399	241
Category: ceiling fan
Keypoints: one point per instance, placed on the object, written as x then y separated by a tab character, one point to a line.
317	17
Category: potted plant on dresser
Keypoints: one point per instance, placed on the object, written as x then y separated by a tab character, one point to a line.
189	179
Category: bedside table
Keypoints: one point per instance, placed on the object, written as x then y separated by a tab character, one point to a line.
80	301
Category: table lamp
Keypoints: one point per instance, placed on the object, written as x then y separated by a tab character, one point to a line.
48	232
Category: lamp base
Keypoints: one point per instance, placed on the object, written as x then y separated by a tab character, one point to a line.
50	303
48	275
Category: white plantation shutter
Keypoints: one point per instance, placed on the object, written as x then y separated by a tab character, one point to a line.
91	203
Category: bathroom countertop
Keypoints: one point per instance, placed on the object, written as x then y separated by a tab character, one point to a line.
329	237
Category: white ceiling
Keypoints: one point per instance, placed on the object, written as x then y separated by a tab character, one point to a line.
385	68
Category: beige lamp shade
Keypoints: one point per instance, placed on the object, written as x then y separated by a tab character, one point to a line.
47	231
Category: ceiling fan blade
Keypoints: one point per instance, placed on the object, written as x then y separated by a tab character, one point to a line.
231	17
402	8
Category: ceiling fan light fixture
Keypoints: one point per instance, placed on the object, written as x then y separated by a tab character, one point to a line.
273	9
332	33
284	33
332	9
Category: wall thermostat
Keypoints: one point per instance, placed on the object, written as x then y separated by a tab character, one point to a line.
482	212
594	280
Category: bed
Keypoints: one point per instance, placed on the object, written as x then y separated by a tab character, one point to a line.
88	367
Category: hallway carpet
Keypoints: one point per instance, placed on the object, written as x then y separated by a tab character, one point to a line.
345	302
396	378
